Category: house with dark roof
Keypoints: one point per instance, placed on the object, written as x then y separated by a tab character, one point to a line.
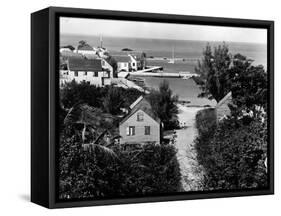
85	49
125	63
140	125
88	70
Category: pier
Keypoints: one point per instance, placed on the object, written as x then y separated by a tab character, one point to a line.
157	71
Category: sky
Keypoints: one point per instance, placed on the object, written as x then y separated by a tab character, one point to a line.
118	28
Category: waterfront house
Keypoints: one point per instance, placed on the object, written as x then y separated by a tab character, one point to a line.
85	49
65	49
222	108
88	70
140	125
65	54
123	63
133	63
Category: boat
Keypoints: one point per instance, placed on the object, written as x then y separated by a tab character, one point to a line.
172	60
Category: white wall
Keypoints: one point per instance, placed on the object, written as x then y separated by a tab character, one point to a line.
15	108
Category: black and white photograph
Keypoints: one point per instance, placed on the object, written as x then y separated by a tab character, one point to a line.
155	108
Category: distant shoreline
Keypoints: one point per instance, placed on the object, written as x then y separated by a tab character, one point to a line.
167	39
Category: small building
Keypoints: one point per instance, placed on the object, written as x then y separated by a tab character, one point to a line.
222	107
85	49
88	70
124	63
105	65
65	54
141	125
133	63
65	49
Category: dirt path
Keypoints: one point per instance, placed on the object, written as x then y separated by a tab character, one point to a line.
191	172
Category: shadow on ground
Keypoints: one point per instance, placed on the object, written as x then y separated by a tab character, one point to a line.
25	197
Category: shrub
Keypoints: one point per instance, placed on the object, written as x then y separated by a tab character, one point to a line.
151	169
205	120
233	155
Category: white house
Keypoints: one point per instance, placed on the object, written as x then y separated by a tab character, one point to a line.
123	62
133	63
89	70
105	65
64	49
141	125
86	49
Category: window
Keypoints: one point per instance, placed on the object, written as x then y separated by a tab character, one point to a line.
96	74
146	130
76	73
130	131
133	64
85	73
140	116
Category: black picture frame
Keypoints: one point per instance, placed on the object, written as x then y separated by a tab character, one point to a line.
45	96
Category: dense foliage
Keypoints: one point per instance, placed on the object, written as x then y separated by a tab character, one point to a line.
143	61
152	169
163	102
233	151
221	72
73	92
92	164
232	154
113	64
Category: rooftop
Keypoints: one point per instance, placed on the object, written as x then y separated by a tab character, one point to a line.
122	58
141	104
79	64
85	47
67	54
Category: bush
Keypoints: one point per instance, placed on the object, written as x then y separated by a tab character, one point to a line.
206	120
233	155
152	169
72	93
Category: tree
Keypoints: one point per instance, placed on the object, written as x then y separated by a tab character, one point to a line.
143	60
248	86
82	43
72	93
163	103
152	169
221	73
113	101
89	117
233	154
113	64
213	70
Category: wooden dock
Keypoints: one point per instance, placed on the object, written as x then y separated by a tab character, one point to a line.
157	71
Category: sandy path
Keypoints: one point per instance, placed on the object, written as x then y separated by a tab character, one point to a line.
191	172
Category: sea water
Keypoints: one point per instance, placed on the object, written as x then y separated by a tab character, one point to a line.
186	52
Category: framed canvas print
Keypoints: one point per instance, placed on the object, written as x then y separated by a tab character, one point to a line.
138	107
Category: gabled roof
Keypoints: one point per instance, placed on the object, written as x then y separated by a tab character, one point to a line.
225	98
136	102
122	58
141	104
66	53
91	56
78	64
135	57
85	47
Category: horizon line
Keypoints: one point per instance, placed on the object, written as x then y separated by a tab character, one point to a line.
81	34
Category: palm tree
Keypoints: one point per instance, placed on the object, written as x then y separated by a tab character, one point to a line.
94	120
